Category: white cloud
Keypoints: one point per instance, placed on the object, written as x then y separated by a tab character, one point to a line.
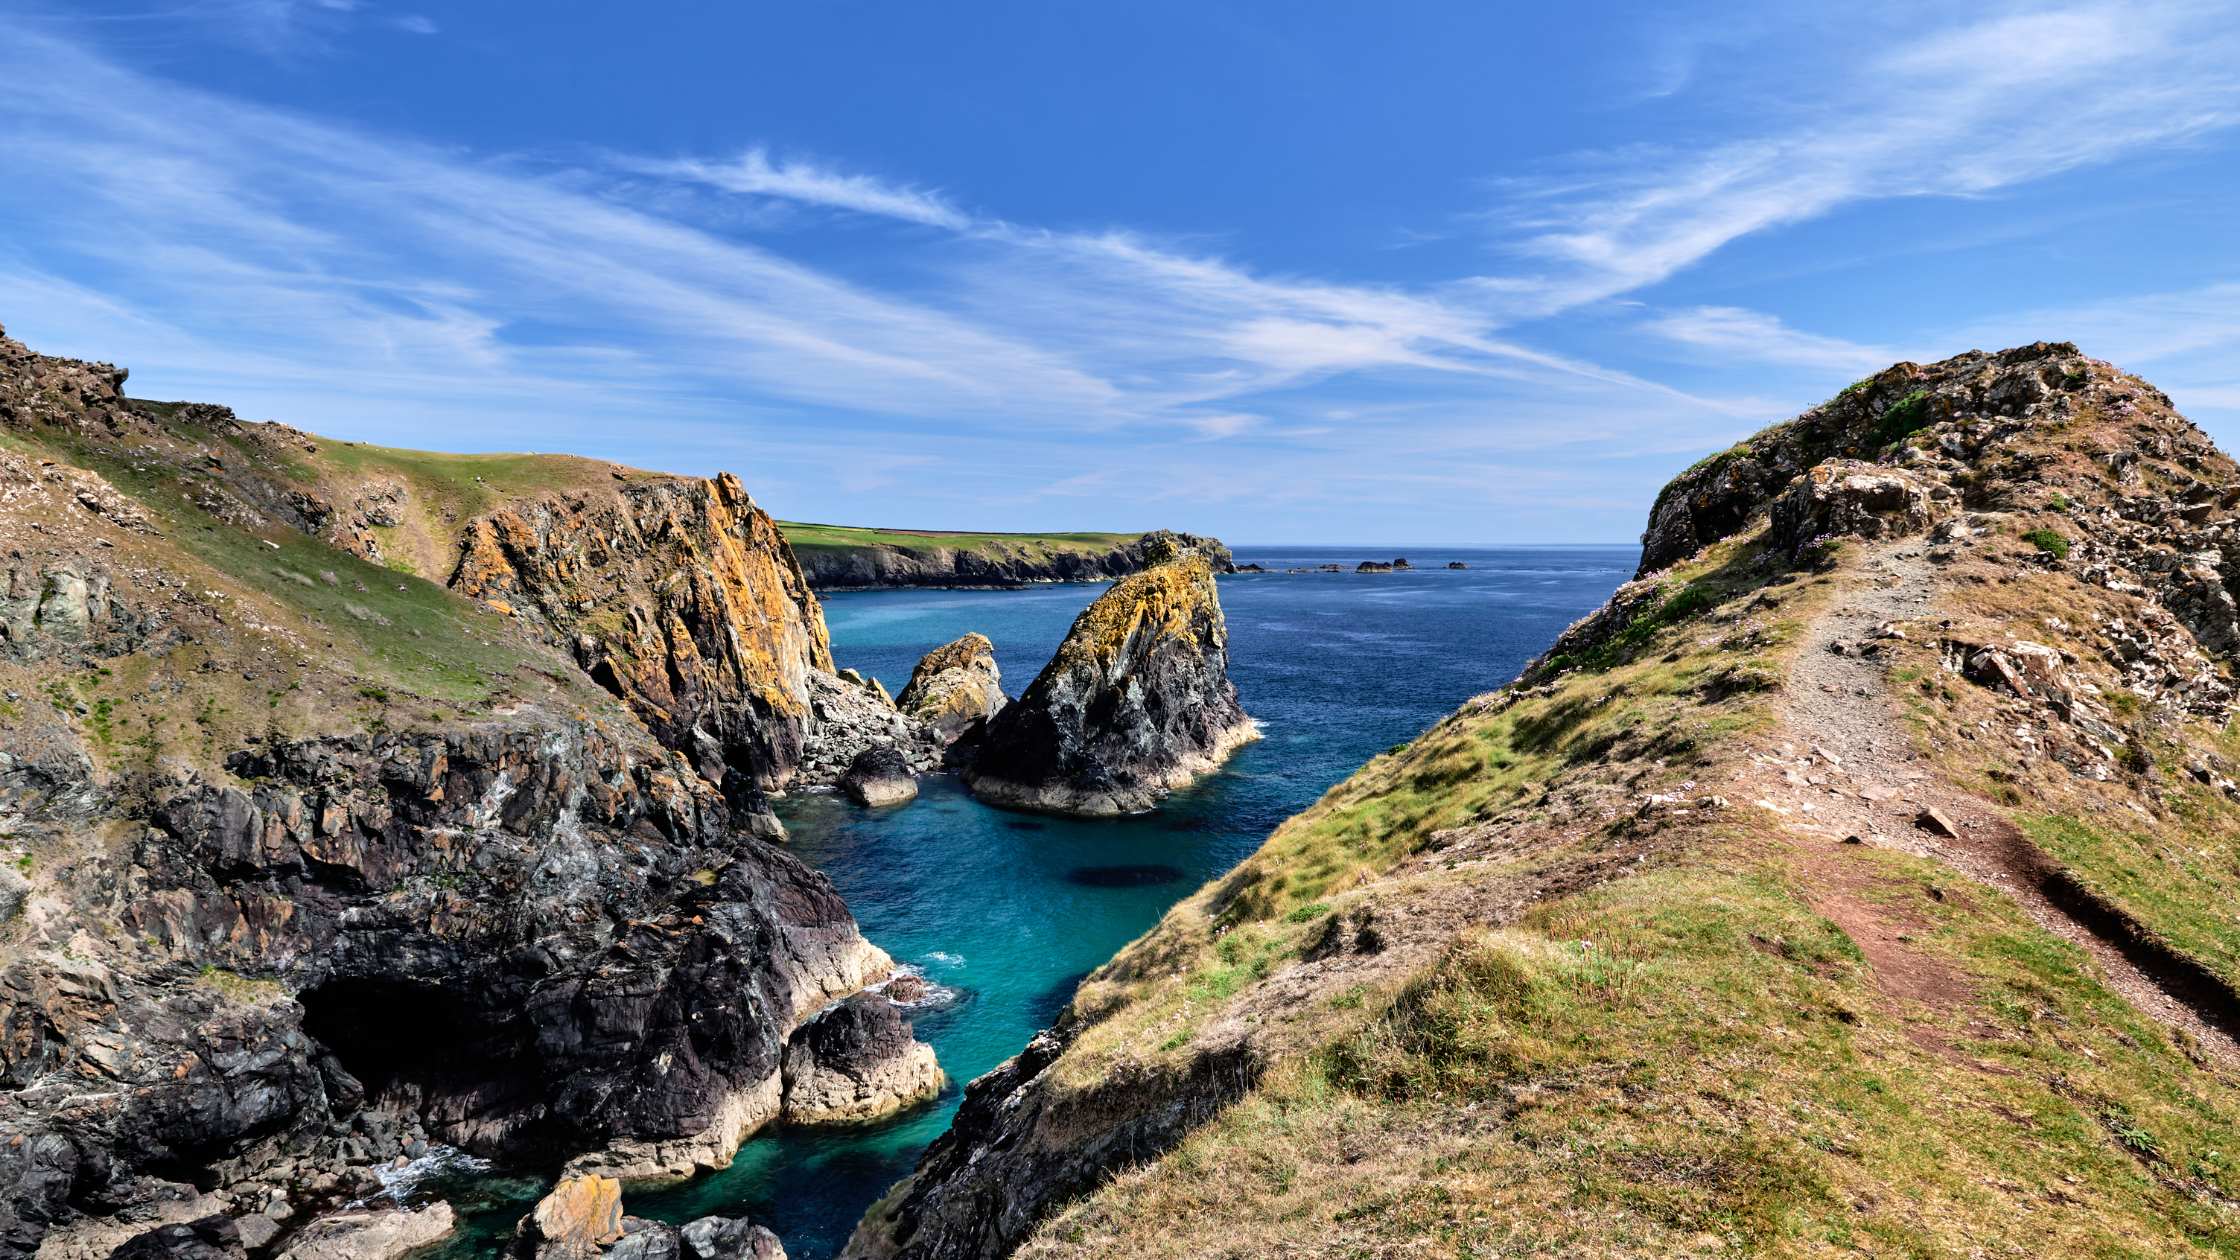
753	173
1953	112
1753	335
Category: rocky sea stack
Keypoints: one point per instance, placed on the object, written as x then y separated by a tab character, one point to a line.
954	686
1136	702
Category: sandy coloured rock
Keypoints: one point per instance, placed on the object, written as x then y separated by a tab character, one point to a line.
954	686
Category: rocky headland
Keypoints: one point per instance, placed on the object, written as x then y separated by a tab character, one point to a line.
1136	702
839	558
1859	877
358	803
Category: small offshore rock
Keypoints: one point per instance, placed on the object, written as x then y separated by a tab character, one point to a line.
1136	702
880	775
854	1062
585	1209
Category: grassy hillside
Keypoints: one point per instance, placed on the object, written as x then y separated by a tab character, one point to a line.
1653	953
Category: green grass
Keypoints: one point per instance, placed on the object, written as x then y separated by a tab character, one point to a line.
830	538
1698	1052
2183	886
2048	541
420	638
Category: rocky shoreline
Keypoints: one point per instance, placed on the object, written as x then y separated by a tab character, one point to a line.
316	865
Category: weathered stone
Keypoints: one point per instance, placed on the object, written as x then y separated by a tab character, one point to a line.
579	1210
210	1238
954	686
855	1062
721	1238
1846	497
371	1235
879	776
1136	702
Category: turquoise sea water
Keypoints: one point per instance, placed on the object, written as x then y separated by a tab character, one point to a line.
1010	910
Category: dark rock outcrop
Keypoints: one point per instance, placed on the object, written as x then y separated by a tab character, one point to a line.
880	775
210	1238
1136	702
934	564
855	1062
954	686
1018	1147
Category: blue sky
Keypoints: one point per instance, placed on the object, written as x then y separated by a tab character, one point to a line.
1396	273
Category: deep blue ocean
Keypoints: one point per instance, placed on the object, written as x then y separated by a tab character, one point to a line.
1011	910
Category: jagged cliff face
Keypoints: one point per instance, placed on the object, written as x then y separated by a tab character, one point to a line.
680	597
1860	871
1136	702
309	858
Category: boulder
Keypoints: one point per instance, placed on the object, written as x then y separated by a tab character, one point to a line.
1136	702
210	1238
373	1235
721	1238
644	1240
1845	497
880	775
585	1209
857	1061
954	686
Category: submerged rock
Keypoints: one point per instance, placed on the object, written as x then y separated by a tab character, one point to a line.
955	685
1136	702
880	776
857	1061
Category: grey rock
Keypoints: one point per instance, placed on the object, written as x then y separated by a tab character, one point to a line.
880	776
210	1238
720	1238
856	1061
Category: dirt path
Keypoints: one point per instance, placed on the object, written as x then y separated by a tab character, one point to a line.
1855	775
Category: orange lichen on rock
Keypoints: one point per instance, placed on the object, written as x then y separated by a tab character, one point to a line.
681	597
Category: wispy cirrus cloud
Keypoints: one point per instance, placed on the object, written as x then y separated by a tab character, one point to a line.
336	276
1735	333
754	174
1958	111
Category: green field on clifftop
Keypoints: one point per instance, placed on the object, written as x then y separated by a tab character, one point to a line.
811	537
